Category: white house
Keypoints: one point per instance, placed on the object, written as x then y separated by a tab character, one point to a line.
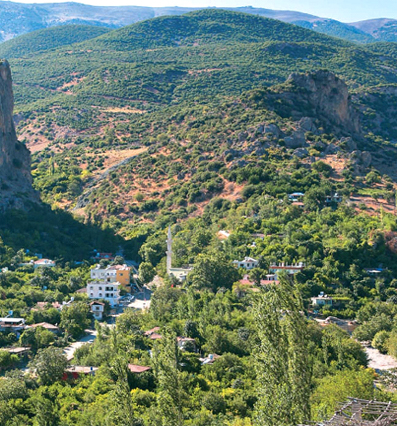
248	263
97	309
104	290
12	325
336	198
289	269
296	196
44	263
322	300
180	273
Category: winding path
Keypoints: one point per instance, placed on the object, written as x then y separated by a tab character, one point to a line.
89	338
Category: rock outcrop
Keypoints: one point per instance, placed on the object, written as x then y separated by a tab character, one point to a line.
15	177
320	96
328	97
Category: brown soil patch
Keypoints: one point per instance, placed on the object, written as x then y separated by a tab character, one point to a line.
125	110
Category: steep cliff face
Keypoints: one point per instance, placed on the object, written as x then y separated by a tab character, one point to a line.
320	95
15	178
328	96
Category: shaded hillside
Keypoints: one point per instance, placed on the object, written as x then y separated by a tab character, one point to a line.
379	29
337	29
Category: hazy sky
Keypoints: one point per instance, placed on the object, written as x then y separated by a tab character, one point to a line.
342	10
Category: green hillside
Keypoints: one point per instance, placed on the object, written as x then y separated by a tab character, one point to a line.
204	27
48	39
242	52
248	138
101	94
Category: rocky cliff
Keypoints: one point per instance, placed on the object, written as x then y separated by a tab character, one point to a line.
320	95
15	178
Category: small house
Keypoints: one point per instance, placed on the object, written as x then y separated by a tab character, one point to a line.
75	371
50	327
248	263
97	309
21	352
296	196
186	343
289	269
336	198
322	300
298	204
12	325
44	263
210	359
152	334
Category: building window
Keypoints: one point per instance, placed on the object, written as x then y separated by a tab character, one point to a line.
92	294
91	288
100	288
100	294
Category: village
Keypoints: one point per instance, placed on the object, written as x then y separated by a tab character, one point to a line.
114	287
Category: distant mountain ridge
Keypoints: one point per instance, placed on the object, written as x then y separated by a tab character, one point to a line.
18	18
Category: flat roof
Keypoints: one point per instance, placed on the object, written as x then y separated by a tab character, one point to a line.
80	369
16	350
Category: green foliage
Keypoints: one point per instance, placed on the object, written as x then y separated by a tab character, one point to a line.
49	365
282	359
213	271
332	389
75	318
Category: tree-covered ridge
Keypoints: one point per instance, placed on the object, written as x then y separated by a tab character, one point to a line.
48	39
204	27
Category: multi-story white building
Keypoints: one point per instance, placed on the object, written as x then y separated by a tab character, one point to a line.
104	290
111	274
105	274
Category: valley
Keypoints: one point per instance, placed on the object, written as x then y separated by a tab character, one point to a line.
246	168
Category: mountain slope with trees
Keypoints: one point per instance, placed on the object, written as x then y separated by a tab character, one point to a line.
248	137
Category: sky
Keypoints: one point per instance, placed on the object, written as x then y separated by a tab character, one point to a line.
342	10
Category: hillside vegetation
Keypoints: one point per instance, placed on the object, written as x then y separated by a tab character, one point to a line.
248	137
18	18
48	39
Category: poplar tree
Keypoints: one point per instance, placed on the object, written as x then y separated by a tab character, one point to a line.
282	359
121	401
172	396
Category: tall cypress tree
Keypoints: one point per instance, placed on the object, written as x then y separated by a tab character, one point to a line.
282	359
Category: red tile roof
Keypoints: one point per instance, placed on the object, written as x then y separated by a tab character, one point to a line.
155	336
153	330
45	325
138	368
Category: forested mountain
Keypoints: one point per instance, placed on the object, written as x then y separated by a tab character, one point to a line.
163	72
247	137
48	39
19	18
